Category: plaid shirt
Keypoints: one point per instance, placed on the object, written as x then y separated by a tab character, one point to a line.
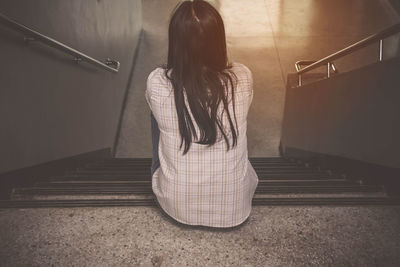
207	186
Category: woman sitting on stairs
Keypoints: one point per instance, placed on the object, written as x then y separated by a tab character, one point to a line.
201	174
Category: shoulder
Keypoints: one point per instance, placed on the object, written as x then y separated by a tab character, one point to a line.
241	71
239	67
158	83
244	76
157	75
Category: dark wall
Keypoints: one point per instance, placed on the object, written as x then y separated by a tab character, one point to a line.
50	106
354	115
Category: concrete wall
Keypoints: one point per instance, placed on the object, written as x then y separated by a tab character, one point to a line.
50	106
268	37
354	115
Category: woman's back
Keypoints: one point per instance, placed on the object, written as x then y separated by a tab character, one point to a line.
209	185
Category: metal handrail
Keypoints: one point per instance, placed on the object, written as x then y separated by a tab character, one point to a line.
32	35
300	63
352	48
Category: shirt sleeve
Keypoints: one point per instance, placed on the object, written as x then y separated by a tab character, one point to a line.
248	84
250	77
148	97
149	88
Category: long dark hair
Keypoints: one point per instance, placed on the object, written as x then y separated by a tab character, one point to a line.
198	67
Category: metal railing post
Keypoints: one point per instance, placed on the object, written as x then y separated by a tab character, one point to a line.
329	69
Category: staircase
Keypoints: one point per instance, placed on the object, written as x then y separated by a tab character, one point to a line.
127	182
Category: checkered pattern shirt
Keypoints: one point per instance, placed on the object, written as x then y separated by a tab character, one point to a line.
208	186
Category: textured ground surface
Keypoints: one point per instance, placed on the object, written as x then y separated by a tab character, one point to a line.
140	236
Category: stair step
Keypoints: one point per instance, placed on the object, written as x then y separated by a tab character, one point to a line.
148	160
148	183
148	163
146	177
147	168
83	196
345	201
120	190
320	195
151	196
127	182
144	171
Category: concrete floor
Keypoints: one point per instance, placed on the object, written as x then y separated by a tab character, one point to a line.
268	36
141	236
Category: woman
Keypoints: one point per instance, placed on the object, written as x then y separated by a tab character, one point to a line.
201	174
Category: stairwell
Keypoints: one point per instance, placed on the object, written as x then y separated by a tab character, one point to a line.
304	214
127	182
